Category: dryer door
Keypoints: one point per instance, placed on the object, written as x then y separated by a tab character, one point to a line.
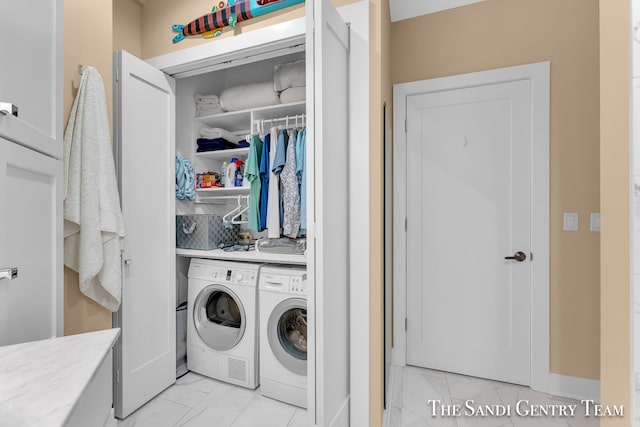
219	317
287	334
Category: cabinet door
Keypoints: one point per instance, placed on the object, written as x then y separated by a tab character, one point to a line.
145	153
327	160
31	242
31	73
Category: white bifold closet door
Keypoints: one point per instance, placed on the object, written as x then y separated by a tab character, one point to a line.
145	143
328	160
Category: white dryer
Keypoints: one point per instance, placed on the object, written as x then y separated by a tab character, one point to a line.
283	334
222	335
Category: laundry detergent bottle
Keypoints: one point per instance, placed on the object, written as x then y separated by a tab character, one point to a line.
230	173
238	175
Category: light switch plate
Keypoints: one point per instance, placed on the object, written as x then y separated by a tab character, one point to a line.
595	221
571	221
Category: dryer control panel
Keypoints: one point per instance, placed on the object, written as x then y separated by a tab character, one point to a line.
239	276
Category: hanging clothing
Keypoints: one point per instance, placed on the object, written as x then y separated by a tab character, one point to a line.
301	173
252	174
278	166
264	181
273	207
290	191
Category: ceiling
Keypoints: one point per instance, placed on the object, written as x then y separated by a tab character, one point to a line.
405	9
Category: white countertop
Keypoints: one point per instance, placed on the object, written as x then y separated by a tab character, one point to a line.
41	381
247	256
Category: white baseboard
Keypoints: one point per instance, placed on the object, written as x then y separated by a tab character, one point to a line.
342	417
574	387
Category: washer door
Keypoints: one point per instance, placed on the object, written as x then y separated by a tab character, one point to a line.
219	317
287	334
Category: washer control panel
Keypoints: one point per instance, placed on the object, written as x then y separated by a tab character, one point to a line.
286	283
298	285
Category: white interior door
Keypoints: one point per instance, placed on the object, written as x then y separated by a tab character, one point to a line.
468	207
327	161
30	242
145	145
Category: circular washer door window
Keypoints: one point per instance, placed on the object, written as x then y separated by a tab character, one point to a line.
287	334
219	317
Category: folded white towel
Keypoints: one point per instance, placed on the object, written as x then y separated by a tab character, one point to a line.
93	224
208	107
289	75
293	94
213	133
209	112
206	99
249	96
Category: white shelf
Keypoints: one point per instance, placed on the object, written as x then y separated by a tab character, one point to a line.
231	121
222	191
248	256
240	153
238	120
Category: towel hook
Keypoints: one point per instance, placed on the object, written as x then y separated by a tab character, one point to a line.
80	70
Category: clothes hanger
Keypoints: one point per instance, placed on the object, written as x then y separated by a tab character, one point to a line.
228	218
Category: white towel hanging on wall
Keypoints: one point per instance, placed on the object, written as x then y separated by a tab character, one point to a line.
93	224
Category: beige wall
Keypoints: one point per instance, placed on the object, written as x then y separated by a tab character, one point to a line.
159	15
380	92
87	41
501	33
127	27
615	353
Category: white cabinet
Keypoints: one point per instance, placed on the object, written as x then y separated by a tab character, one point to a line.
30	242
31	73
337	120
30	176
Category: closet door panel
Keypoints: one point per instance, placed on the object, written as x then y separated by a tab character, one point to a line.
327	151
145	132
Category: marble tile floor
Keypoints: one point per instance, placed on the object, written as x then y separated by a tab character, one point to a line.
413	387
198	401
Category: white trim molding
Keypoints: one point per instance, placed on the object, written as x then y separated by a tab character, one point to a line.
405	9
574	387
539	76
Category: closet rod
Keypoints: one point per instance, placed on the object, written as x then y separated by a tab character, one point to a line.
260	123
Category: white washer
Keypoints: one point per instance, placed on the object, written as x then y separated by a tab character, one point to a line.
283	334
222	335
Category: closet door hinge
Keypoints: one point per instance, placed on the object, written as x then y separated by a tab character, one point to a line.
405	323
405	224
405	125
117	375
117	75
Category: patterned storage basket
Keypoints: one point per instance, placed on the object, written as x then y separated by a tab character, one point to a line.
203	231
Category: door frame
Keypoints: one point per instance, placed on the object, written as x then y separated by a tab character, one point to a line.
539	76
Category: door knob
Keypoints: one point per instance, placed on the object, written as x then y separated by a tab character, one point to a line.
518	256
9	273
7	108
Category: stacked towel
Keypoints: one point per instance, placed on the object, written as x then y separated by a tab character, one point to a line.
249	96
214	144
214	133
289	75
207	104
